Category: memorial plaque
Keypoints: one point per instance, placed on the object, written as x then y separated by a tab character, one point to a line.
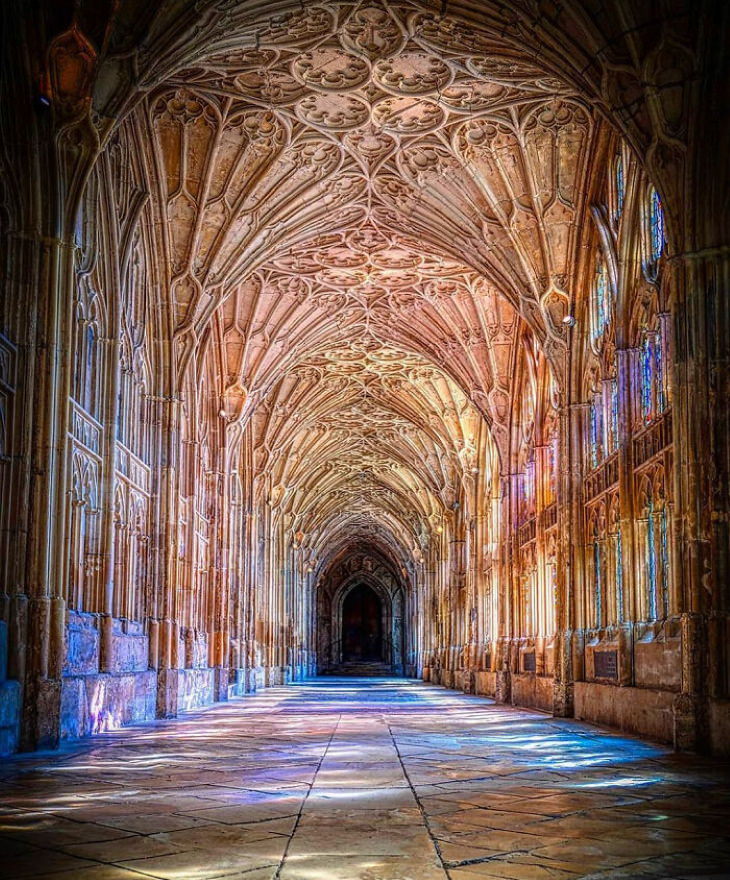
529	663
605	664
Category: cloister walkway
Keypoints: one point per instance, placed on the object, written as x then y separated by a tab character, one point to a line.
379	779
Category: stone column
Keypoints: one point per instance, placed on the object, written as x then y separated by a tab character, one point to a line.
166	425
702	452
48	551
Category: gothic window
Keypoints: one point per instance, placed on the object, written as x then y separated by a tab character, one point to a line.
616	562
551	588
650	396
526	437
619	183
602	385
130	555
664	557
596	566
121	542
531	612
88	303
86	376
651	559
653	235
133	425
550	441
651	375
656	226
654	546
137	595
83	513
613	436
596	448
602	305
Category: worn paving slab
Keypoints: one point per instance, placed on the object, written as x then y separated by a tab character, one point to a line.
363	779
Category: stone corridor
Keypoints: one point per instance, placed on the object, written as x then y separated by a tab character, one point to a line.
379	779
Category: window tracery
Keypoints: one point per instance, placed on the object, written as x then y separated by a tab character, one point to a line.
619	187
654	553
83	589
657	240
602	300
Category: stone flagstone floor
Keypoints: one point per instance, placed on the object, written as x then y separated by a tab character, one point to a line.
378	779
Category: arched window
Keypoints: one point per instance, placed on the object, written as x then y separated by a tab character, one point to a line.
654	545
595	449
82	593
526	447
550	439
601	368
616	552
657	239
596	566
652	398
619	183
87	363
601	312
613	414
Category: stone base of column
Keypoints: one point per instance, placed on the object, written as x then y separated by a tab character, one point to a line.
48	714
220	683
563	705
168	685
469	681
686	713
503	689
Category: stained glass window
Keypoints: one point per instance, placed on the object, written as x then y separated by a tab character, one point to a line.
646	378
652	398
620	184
619	578
530	487
665	561
601	301
613	439
656	226
658	374
597	581
595	433
651	562
522	492
89	400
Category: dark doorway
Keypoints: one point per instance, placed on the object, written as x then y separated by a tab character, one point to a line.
362	625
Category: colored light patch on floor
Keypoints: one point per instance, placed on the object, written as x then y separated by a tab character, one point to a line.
363	779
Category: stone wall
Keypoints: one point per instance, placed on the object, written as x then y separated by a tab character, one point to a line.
643	711
532	691
196	688
95	703
9	700
719	727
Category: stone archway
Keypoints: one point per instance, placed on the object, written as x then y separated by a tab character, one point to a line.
348	630
362	626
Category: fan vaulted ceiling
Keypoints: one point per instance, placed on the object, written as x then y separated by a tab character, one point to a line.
367	206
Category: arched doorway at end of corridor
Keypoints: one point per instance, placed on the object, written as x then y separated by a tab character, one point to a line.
362	626
360	617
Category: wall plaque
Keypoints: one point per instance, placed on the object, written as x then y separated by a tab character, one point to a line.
605	664
529	663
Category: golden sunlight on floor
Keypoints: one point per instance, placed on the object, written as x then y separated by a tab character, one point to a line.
378	779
